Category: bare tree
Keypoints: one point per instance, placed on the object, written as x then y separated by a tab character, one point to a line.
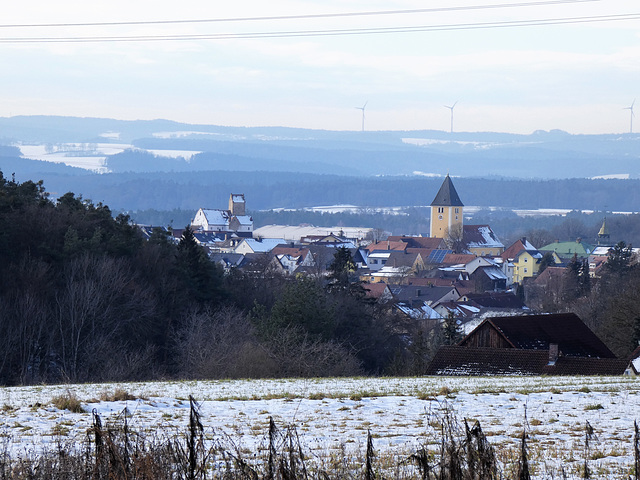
99	307
454	239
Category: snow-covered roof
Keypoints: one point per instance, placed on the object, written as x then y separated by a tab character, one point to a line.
494	273
295	233
379	255
481	236
600	251
388	271
422	312
216	217
263	246
244	219
237	197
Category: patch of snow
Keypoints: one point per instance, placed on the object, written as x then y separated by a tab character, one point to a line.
112	135
398	410
613	176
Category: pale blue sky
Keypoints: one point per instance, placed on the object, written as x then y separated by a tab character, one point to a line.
573	76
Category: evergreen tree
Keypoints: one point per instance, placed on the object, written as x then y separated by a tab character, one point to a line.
451	332
341	269
202	276
619	259
546	261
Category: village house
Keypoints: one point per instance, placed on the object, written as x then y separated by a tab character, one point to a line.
567	250
481	241
522	261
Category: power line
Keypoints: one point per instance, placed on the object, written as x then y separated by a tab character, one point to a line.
302	17
333	32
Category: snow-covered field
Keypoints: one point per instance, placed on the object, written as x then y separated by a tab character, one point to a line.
333	414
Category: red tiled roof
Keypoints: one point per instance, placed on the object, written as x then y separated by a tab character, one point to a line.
386	245
375	290
292	251
458	258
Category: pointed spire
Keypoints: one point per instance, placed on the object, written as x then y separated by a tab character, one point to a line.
604	231
447	195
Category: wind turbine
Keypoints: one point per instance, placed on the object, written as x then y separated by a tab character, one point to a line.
451	108
630	108
362	108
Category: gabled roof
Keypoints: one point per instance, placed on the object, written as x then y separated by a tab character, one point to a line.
402	259
495	300
419	242
537	332
376	290
480	236
206	237
216	217
569	249
460	310
492	272
385	245
262	246
458	258
447	195
291	251
244	219
550	274
516	247
465	361
227	259
462	286
418	311
427	294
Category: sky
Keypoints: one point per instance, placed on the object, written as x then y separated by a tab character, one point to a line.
507	68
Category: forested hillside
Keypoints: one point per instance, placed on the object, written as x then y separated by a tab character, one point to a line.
84	298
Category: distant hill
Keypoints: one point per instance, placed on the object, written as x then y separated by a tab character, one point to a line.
541	155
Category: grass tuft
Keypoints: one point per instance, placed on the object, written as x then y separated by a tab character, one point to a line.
68	401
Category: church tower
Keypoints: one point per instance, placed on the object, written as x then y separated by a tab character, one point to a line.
446	210
603	235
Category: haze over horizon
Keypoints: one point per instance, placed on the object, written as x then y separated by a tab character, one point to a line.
513	66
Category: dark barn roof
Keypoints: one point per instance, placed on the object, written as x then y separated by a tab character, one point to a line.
537	332
463	361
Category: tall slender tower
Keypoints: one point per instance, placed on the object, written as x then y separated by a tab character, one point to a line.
446	210
603	235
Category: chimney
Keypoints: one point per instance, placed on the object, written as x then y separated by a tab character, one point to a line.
523	240
553	353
